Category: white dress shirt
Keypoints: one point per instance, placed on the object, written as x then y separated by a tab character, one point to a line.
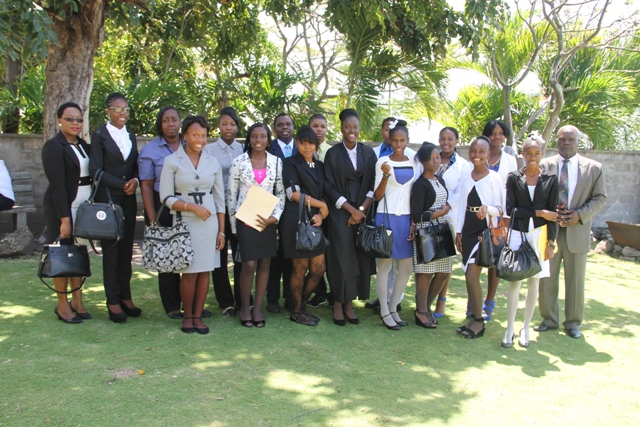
121	137
353	156
282	145
573	169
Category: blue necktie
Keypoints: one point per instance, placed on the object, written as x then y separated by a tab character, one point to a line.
287	151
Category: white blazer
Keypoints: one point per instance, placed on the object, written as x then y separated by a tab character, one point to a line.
508	164
398	196
452	179
489	190
241	179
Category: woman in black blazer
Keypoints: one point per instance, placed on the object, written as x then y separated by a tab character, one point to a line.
532	196
65	159
303	178
114	150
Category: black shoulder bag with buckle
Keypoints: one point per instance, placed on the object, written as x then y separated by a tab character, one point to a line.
514	265
434	241
59	260
308	237
374	241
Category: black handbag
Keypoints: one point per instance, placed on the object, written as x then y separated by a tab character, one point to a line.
434	242
374	241
491	242
167	249
308	237
59	260
99	221
515	265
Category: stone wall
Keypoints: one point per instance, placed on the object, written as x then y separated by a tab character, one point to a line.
21	153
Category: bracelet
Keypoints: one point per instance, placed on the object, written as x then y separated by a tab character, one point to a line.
221	233
386	175
308	202
185	206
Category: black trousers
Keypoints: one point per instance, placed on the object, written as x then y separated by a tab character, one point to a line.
168	283
117	256
279	267
5	203
220	276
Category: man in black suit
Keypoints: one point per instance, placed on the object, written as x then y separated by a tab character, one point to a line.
283	146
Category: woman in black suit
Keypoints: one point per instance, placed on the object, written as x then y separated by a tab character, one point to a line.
65	159
532	197
350	177
114	150
303	178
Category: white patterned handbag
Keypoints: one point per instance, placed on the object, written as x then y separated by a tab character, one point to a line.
167	249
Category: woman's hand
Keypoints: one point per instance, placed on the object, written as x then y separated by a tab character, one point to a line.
264	223
316	220
130	187
459	242
356	217
412	232
445	209
549	215
385	168
482	212
549	252
65	229
201	211
220	241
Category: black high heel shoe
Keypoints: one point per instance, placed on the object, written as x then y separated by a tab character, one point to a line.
117	317
470	334
201	331
395	327
299	317
131	312
352	320
83	316
72	320
399	323
420	323
508	344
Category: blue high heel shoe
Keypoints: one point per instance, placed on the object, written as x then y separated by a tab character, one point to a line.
436	314
488	309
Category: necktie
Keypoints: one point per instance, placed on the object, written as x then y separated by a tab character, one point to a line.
563	186
287	151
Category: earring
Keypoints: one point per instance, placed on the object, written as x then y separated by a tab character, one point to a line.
59	125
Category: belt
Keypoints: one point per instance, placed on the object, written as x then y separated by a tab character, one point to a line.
85	180
197	196
473	208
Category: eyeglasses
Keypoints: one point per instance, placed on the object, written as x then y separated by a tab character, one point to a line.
71	120
120	109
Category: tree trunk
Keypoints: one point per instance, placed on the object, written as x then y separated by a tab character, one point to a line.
13	74
508	119
555	108
69	71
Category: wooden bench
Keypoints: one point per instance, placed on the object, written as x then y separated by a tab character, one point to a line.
23	191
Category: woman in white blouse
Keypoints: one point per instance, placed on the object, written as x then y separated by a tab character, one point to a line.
452	168
395	175
255	167
481	200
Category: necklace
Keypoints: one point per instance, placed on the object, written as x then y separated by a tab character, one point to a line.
491	165
261	165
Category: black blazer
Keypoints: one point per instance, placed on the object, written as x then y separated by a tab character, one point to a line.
423	196
62	169
545	196
296	172
277	151
106	155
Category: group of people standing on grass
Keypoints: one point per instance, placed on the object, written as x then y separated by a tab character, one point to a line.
339	186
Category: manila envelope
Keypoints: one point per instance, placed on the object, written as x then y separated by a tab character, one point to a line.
257	202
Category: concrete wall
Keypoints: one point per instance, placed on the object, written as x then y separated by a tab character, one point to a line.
21	153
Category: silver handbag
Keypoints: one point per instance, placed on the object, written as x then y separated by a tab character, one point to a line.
167	249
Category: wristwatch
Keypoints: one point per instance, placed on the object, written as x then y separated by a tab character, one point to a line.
361	208
551	245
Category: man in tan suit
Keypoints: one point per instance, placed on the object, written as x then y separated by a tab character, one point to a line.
581	196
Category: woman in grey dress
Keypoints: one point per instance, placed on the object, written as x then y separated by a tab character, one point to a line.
193	180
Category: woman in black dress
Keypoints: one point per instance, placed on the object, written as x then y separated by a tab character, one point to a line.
350	178
303	177
65	159
114	150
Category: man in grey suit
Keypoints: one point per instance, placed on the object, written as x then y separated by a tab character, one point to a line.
581	196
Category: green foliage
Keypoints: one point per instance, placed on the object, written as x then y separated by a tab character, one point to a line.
28	98
25	26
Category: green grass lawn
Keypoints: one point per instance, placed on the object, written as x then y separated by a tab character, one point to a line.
53	374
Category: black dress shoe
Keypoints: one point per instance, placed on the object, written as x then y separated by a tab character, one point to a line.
373	304
574	333
229	312
542	327
273	307
117	317
131	312
83	316
317	301
175	315
206	313
72	320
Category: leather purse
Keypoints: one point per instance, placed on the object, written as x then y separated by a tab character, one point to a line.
99	221
59	260
514	265
374	241
167	249
491	244
308	237
434	242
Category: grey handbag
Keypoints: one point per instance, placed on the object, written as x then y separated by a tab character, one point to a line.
167	249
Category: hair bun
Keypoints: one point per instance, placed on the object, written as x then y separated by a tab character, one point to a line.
401	123
348	112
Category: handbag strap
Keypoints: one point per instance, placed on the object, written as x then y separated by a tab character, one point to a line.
40	270
96	183
162	206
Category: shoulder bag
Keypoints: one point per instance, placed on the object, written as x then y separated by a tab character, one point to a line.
59	260
514	265
491	244
308	237
374	241
167	249
434	242
99	221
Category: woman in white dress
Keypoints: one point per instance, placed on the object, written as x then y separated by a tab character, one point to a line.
532	197
65	159
191	182
452	168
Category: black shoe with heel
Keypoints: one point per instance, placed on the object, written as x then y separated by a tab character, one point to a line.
72	320
394	327
83	316
131	312
428	325
117	317
401	322
470	334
